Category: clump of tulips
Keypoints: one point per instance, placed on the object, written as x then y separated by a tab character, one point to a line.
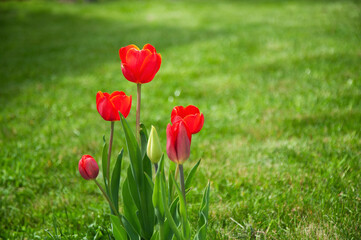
153	205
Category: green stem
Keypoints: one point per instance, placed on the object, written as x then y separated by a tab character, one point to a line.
110	150
108	199
181	177
137	119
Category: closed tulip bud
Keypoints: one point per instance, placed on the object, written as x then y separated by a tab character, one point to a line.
88	167
154	151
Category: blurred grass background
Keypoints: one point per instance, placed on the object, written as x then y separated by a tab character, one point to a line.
278	83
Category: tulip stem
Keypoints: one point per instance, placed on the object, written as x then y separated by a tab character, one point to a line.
139	94
107	198
110	150
181	177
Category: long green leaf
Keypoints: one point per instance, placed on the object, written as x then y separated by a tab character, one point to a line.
104	166
129	205
104	161
164	202
183	211
167	232
116	180
145	213
133	235
203	216
143	139
119	232
157	196
134	153
172	169
148	192
150	181
191	175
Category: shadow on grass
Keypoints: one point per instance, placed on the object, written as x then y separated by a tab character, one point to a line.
41	46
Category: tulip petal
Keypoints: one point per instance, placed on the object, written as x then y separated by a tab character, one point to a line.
135	59
91	167
190	109
128	74
121	102
177	112
150	67
191	115
183	143
194	122
82	171
123	52
150	48
107	109
172	154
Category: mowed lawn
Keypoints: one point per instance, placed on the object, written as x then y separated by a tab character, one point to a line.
279	83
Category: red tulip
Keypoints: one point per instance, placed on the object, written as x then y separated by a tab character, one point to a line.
190	115
139	66
88	167
109	106
178	142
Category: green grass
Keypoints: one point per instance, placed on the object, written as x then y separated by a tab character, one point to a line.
279	83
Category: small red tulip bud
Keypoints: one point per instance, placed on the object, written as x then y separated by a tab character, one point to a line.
88	167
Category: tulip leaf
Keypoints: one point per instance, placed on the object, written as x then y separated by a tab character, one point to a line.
173	210
156	197
139	190
119	232
116	180
149	179
143	139
172	169
104	166
182	210
134	153
155	235
147	191
203	216
104	161
133	235
163	201
191	175
129	204
167	232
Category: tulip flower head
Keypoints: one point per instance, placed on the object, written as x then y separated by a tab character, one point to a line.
139	66
178	142
88	167
109	105
190	115
154	151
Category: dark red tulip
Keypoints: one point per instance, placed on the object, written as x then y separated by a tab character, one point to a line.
88	167
109	106
178	142
190	115
139	66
